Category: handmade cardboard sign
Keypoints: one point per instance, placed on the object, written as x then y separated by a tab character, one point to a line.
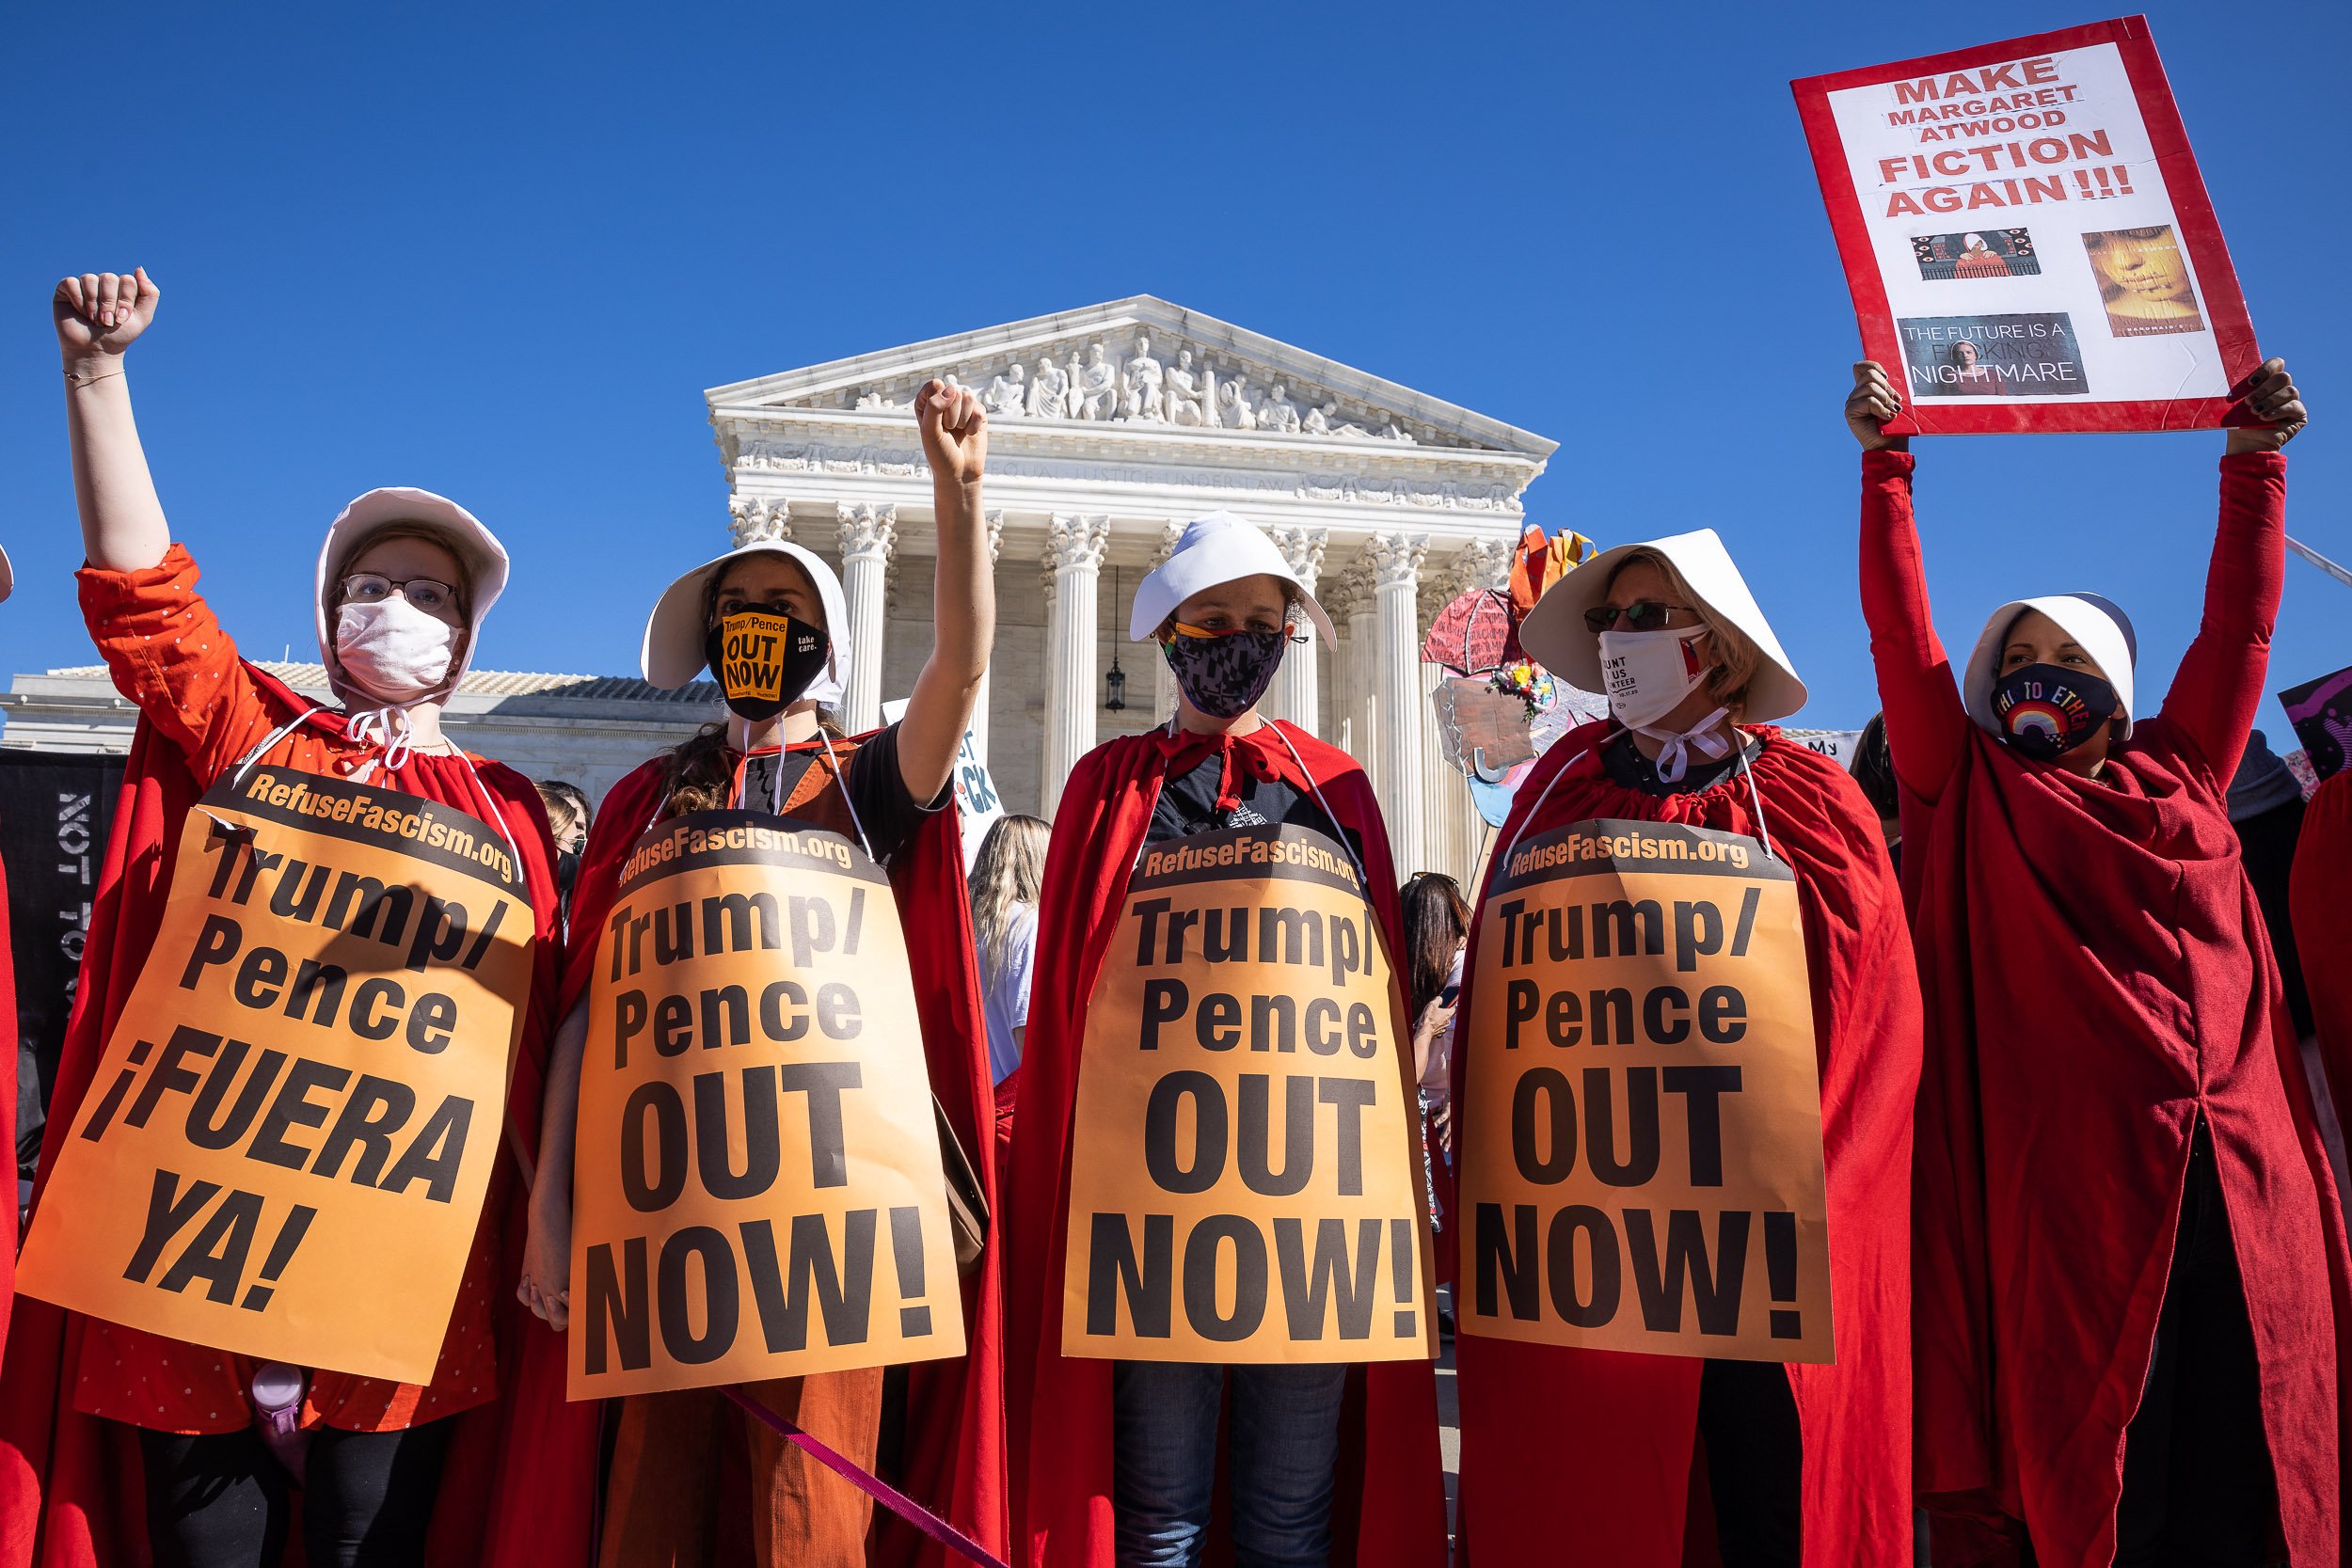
757	1189
2027	238
1639	1128
287	1140
1245	1173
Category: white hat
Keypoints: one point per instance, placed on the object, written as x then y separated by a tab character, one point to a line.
1219	548
478	551
1555	633
677	630
2098	626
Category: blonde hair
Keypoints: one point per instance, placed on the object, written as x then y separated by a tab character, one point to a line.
1736	657
1010	870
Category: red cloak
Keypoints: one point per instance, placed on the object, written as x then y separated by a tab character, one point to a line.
1594	1452
515	1485
2319	901
7	1105
2097	977
1388	1508
955	1433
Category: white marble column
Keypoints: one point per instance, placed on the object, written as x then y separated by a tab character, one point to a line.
752	518
1357	617
1397	695
868	533
1073	551
1163	678
979	726
1293	694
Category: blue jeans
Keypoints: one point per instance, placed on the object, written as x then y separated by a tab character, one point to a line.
1284	1439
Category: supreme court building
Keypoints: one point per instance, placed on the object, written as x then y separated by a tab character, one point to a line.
1110	427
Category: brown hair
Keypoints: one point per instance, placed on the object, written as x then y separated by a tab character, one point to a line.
425	531
1010	870
1736	658
1436	920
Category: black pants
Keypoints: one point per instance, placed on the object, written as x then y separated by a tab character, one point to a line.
1754	1458
2197	1487
220	1500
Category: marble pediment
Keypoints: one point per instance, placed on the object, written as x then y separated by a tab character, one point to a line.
1138	368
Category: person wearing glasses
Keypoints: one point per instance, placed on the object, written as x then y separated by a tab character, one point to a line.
144	1446
1802	1464
2132	1259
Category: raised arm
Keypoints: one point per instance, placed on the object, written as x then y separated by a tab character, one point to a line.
1926	724
2218	687
963	594
98	316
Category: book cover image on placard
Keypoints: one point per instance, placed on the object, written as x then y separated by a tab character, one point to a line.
2028	355
2321	711
1980	253
2144	282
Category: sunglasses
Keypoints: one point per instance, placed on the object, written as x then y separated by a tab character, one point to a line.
1641	615
424	592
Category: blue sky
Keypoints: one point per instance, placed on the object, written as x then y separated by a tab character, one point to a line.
500	252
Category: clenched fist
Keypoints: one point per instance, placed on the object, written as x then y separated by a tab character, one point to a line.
955	432
103	312
1873	403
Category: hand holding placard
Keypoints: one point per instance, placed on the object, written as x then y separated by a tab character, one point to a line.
2269	395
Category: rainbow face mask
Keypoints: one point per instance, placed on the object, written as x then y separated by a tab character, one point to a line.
2046	711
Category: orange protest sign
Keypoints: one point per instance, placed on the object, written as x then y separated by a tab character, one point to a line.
755	1121
290	1133
1246	1171
1639	1129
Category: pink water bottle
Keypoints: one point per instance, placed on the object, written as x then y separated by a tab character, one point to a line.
278	1390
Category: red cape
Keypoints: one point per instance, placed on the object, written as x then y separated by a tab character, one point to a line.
955	1436
7	1105
2319	900
1600	1447
1388	1509
71	1492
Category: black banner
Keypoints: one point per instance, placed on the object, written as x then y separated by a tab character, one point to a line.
56	812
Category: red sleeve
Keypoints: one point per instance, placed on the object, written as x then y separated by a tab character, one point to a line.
1926	724
2323	929
619	823
2218	687
168	655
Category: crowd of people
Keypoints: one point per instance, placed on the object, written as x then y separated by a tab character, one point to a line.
2088	1264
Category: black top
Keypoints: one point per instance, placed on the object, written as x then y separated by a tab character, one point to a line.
1627	766
1187	806
870	782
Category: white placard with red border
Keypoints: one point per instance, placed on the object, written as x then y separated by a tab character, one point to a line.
2029	241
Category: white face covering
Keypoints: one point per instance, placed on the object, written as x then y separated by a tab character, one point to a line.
1648	673
393	651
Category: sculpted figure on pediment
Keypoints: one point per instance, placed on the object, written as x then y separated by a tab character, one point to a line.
1143	379
1097	385
1398	433
1233	406
1278	412
1049	391
1187	401
1009	392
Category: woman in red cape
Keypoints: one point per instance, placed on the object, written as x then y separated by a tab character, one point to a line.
1388	1502
2319	901
1634	1461
2130	1274
693	1480
72	1493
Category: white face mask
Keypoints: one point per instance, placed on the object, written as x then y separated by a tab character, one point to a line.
393	651
1648	673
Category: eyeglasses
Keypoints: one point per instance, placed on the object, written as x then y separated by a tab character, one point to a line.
1641	615
424	592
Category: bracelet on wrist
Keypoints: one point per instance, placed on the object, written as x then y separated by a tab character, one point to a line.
79	378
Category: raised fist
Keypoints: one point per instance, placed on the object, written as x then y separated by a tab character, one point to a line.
103	312
955	432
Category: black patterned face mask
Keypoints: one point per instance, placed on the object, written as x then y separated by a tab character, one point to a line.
1223	673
